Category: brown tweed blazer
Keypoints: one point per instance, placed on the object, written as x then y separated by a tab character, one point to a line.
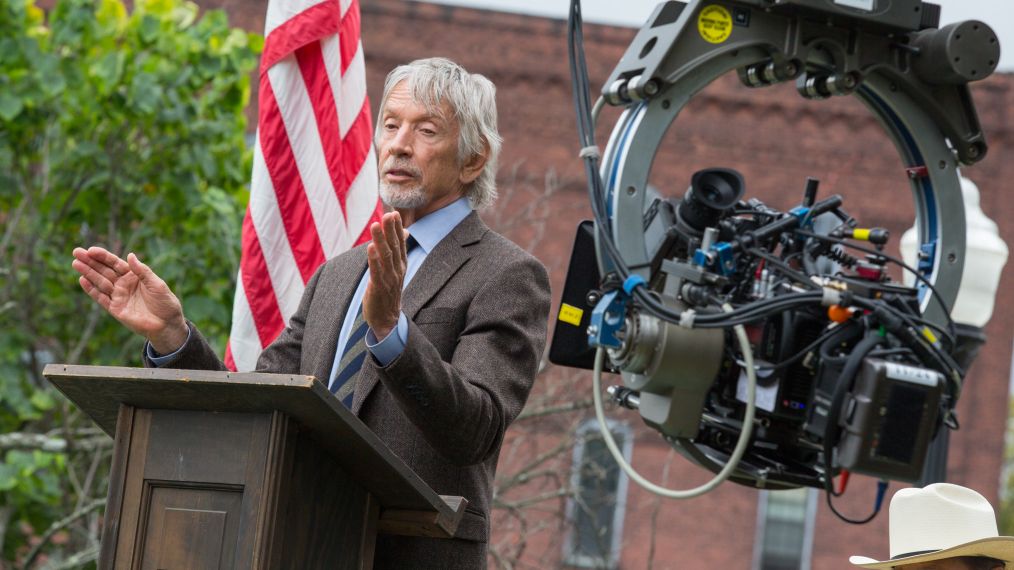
477	310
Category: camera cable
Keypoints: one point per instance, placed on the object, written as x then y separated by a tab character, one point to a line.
737	452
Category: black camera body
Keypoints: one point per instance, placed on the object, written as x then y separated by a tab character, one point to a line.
848	377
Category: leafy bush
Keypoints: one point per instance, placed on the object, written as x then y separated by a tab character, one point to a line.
125	130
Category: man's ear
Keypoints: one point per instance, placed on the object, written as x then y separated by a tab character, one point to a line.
473	166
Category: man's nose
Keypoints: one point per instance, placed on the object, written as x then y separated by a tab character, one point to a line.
401	143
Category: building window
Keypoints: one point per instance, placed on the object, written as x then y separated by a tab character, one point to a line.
785	529
598	500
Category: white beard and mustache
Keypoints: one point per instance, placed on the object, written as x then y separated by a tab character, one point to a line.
403	197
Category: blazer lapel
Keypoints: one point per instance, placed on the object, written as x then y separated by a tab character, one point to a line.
340	290
439	267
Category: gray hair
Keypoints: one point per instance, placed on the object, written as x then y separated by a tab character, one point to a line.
436	80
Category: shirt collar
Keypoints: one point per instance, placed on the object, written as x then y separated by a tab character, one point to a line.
432	228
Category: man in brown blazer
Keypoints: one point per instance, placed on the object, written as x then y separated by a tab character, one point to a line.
432	333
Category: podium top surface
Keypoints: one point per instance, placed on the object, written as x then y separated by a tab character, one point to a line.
99	391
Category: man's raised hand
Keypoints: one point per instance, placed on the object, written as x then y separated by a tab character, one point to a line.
131	292
388	260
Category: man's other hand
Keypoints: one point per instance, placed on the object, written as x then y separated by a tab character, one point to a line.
132	293
388	259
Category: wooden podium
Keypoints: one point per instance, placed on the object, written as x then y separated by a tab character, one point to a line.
250	470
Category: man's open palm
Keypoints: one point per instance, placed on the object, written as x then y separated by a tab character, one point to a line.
131	292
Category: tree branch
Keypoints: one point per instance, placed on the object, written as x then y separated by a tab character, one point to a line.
56	526
43	442
79	559
12	224
534	500
518	478
85	337
89	480
550	410
5	518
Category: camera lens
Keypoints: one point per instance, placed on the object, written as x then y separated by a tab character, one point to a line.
711	192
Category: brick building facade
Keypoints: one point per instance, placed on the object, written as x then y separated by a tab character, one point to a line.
776	139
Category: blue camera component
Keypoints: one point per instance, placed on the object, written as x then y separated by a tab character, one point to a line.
927	253
607	320
607	317
720	258
725	258
802	214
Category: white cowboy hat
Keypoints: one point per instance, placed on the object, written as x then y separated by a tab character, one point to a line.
941	521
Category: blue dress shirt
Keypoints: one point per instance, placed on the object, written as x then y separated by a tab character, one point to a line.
428	231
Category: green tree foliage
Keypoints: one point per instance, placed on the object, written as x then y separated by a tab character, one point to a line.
125	130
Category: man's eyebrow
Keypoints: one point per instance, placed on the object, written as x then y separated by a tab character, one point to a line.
437	120
432	116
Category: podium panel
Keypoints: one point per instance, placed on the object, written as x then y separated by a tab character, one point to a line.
191	528
232	490
217	470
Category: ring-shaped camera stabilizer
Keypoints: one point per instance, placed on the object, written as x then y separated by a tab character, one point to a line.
913	77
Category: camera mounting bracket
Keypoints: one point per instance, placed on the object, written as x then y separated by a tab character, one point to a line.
888	53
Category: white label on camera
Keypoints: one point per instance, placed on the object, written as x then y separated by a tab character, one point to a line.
858	4
767	397
912	374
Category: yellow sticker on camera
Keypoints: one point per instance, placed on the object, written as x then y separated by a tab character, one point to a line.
571	314
714	24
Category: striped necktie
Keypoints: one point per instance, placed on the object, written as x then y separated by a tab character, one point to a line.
351	361
354	353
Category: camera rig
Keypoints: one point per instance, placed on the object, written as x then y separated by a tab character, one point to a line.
751	338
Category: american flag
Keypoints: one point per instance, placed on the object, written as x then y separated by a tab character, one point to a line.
313	192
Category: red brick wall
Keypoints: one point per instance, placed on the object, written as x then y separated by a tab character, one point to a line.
776	139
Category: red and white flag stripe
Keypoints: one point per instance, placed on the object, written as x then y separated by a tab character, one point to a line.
313	191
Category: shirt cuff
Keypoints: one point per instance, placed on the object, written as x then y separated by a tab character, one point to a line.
391	347
160	361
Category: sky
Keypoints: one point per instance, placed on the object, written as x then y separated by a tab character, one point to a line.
999	14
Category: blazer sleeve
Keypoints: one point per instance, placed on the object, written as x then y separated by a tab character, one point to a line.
281	356
463	407
196	354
